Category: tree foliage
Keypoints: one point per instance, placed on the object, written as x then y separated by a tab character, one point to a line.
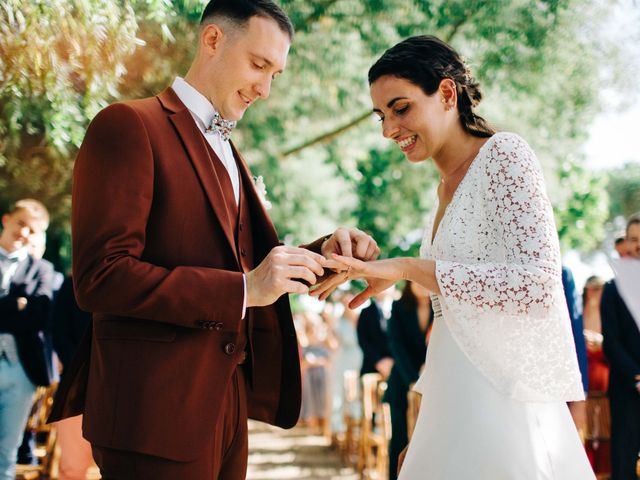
314	141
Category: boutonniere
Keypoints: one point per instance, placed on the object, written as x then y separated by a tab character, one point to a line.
261	189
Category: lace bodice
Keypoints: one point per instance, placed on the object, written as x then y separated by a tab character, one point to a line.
498	268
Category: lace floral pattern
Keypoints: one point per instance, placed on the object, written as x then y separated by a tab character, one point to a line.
498	267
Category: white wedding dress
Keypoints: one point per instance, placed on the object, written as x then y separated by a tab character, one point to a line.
501	362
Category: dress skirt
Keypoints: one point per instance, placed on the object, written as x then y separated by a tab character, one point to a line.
466	429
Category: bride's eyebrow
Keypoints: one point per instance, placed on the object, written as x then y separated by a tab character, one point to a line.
391	103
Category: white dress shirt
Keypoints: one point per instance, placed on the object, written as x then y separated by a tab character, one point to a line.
202	112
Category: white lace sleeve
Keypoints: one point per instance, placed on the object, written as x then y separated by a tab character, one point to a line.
524	237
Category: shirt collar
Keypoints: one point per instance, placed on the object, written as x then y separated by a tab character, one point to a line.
20	254
197	103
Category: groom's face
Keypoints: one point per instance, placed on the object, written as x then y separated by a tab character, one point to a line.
245	65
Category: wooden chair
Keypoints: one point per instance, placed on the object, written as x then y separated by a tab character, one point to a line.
46	438
375	429
413	409
348	443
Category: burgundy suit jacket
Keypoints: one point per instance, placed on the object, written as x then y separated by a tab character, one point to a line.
157	261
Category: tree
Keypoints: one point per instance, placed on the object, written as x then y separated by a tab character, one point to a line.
322	156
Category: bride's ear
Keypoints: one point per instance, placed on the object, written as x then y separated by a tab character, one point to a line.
448	94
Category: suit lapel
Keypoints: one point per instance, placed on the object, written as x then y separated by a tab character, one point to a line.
263	223
197	151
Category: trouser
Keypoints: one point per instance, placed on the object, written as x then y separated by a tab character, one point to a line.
16	398
224	459
76	457
625	435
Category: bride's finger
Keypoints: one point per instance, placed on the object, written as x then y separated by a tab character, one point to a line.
362	297
325	288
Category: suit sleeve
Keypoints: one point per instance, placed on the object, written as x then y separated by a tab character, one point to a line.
113	192
397	344
611	314
37	314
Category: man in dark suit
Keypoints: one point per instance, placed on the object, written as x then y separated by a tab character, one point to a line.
176	258
622	349
25	301
373	339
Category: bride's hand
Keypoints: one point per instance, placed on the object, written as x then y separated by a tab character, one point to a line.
379	276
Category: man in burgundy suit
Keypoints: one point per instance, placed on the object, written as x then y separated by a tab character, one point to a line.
182	269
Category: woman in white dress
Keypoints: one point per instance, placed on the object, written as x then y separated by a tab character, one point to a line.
501	362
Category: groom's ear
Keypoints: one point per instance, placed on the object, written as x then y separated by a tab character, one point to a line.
211	38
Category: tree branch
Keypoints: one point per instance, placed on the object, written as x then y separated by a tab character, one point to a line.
327	137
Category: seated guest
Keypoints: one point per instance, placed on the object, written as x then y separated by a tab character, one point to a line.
25	302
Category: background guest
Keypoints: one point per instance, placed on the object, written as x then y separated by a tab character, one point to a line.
578	409
348	355
25	301
316	350
36	247
372	336
621	247
408	326
622	348
597	363
598	445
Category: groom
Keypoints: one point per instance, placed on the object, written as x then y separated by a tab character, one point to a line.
178	261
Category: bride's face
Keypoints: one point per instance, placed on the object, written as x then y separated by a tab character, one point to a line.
415	121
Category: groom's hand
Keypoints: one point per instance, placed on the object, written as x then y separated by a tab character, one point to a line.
282	271
351	242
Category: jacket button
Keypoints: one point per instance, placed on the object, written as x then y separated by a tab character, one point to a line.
243	252
218	326
241	226
229	348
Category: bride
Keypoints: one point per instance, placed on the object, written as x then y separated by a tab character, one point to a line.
501	364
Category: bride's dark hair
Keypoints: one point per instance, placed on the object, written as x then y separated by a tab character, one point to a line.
425	61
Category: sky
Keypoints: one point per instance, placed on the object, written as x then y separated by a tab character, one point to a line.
614	134
614	139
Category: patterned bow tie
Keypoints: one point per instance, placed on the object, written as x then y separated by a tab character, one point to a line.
220	125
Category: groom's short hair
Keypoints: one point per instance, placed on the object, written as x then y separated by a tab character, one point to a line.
240	11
